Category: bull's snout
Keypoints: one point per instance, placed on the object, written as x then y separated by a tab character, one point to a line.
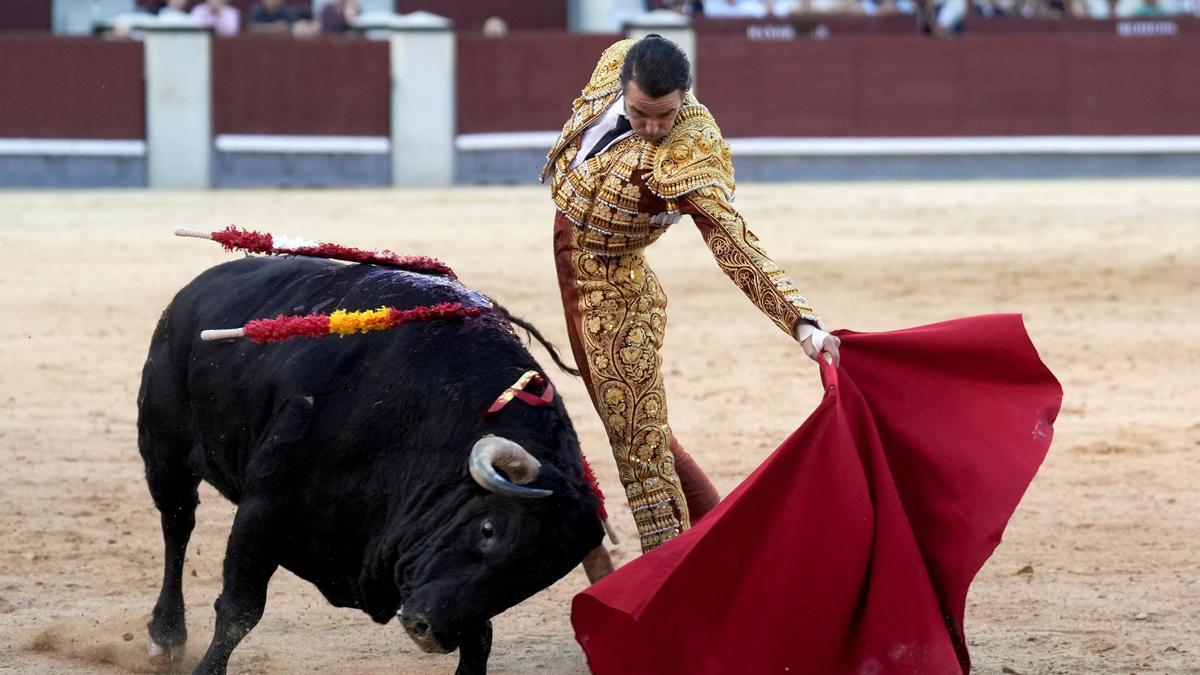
418	628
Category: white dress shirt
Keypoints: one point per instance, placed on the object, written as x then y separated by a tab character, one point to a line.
601	126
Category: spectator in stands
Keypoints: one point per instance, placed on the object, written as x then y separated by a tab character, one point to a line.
783	8
336	15
1094	9
831	7
172	8
942	17
883	7
688	7
1058	9
495	27
1042	9
734	9
1149	9
1130	9
218	15
272	16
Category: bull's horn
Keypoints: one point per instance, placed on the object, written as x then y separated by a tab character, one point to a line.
493	451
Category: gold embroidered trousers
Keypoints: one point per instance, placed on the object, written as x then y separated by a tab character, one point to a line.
616	317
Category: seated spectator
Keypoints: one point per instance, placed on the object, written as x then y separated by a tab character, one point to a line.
218	15
942	17
1094	9
272	16
495	27
336	15
173	8
990	9
1132	9
787	8
275	16
688	7
1149	9
734	9
881	7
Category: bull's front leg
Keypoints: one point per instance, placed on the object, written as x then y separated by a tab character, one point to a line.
474	649
250	560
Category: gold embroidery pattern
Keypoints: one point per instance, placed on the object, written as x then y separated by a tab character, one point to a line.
600	197
692	156
600	91
606	77
737	251
623	312
572	191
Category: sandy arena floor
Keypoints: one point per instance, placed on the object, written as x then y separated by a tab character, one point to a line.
1100	568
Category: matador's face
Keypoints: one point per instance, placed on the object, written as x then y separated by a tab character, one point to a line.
652	118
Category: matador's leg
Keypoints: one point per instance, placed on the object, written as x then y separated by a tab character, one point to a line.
616	316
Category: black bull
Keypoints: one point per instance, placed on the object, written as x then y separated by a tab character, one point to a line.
348	457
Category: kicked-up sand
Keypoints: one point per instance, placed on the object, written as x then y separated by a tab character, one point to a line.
1099	570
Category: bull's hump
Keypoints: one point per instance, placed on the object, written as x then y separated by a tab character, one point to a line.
434	284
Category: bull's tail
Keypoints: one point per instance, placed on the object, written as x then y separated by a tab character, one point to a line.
537	335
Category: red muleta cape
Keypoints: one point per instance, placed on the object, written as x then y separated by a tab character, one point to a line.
850	549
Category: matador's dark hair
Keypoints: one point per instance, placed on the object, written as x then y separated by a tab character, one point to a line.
658	66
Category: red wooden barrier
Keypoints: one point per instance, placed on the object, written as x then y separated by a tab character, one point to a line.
522	82
56	87
981	85
31	15
278	85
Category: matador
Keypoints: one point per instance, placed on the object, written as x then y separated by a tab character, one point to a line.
639	152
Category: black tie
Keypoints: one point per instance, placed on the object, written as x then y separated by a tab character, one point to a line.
623	126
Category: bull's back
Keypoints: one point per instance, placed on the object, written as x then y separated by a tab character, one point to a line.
215	402
236	292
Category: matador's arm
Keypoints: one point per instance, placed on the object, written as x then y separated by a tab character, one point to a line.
694	167
737	251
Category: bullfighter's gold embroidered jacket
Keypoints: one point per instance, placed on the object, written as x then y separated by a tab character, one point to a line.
624	198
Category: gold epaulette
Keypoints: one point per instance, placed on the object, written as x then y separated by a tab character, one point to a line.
692	156
601	90
606	78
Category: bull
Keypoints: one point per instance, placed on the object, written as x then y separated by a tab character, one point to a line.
361	464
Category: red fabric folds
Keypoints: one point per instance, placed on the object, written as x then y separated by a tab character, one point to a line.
851	548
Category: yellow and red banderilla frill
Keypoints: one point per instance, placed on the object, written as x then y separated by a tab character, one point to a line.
341	322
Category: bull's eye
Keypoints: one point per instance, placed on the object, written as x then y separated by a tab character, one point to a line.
487	529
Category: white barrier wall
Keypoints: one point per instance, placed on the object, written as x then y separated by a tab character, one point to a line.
423	94
178	107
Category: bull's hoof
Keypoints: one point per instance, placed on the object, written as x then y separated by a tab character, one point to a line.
165	657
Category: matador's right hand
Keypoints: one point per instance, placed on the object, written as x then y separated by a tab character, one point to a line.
818	344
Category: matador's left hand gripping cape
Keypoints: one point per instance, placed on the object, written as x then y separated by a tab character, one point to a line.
624	198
